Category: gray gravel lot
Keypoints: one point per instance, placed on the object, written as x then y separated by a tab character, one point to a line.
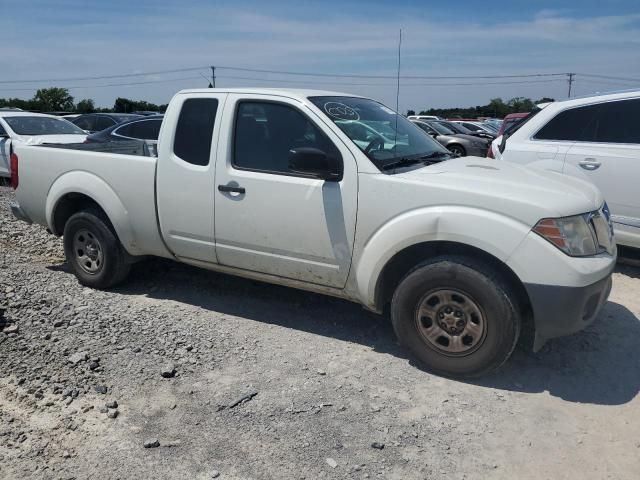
183	373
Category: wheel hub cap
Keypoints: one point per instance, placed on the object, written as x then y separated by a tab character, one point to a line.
450	321
88	251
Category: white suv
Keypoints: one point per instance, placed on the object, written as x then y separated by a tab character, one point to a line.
597	138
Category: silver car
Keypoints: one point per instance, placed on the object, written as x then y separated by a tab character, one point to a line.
461	145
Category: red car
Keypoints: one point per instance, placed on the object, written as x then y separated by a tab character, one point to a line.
510	120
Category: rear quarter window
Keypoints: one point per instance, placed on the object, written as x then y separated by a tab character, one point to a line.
194	130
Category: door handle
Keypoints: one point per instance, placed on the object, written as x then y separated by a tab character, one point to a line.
589	164
231	189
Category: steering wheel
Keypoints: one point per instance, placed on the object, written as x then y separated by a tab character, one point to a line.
378	141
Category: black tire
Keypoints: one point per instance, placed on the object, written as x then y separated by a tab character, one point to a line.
481	289
457	150
111	268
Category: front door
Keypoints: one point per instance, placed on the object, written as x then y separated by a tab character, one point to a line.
269	219
185	175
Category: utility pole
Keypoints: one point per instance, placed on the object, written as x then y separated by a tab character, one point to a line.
213	76
570	80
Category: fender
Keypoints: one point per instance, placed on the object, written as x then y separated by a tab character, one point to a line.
459	224
98	190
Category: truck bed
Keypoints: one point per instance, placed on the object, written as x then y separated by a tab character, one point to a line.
123	184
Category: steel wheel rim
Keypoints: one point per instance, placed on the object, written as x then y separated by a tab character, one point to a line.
451	322
88	252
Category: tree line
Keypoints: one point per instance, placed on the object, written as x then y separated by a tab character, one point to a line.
58	99
496	108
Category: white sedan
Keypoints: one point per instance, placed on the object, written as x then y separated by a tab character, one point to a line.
32	129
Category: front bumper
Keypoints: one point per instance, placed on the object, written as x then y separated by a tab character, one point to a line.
19	213
560	310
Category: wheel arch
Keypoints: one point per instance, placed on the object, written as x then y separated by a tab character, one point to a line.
408	258
77	191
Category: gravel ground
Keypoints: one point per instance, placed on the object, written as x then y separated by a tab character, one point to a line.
183	373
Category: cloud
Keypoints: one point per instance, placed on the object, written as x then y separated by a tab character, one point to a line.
77	42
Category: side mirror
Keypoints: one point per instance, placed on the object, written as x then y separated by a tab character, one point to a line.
316	163
433	134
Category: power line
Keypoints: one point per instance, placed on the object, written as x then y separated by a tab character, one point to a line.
295	82
105	85
413	77
311	82
107	77
608	77
280	72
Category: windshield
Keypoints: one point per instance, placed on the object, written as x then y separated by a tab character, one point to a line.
24	125
441	129
456	127
383	135
488	127
511	128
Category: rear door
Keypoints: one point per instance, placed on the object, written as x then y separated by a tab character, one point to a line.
270	219
608	154
185	175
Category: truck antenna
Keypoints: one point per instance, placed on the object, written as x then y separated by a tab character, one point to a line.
395	140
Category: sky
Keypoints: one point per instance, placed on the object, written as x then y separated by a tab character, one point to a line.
43	40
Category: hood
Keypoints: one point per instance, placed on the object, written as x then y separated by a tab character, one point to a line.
523	193
41	139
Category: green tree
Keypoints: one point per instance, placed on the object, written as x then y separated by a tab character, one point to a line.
410	112
125	105
86	106
53	99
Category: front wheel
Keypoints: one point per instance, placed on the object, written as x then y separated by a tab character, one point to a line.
93	251
457	150
456	316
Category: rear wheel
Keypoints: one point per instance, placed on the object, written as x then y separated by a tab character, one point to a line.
457	150
93	251
456	316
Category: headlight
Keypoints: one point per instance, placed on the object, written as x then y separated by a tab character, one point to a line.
578	236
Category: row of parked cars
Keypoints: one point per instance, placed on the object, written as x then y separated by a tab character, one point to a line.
20	127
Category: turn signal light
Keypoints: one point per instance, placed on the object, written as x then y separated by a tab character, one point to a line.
15	179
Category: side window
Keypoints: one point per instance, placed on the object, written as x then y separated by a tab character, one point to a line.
86	122
143	129
194	131
617	122
124	130
575	124
266	132
104	122
425	127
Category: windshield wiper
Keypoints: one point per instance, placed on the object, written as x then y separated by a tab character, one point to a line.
403	162
436	155
406	161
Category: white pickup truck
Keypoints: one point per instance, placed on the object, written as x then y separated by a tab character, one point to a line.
271	185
